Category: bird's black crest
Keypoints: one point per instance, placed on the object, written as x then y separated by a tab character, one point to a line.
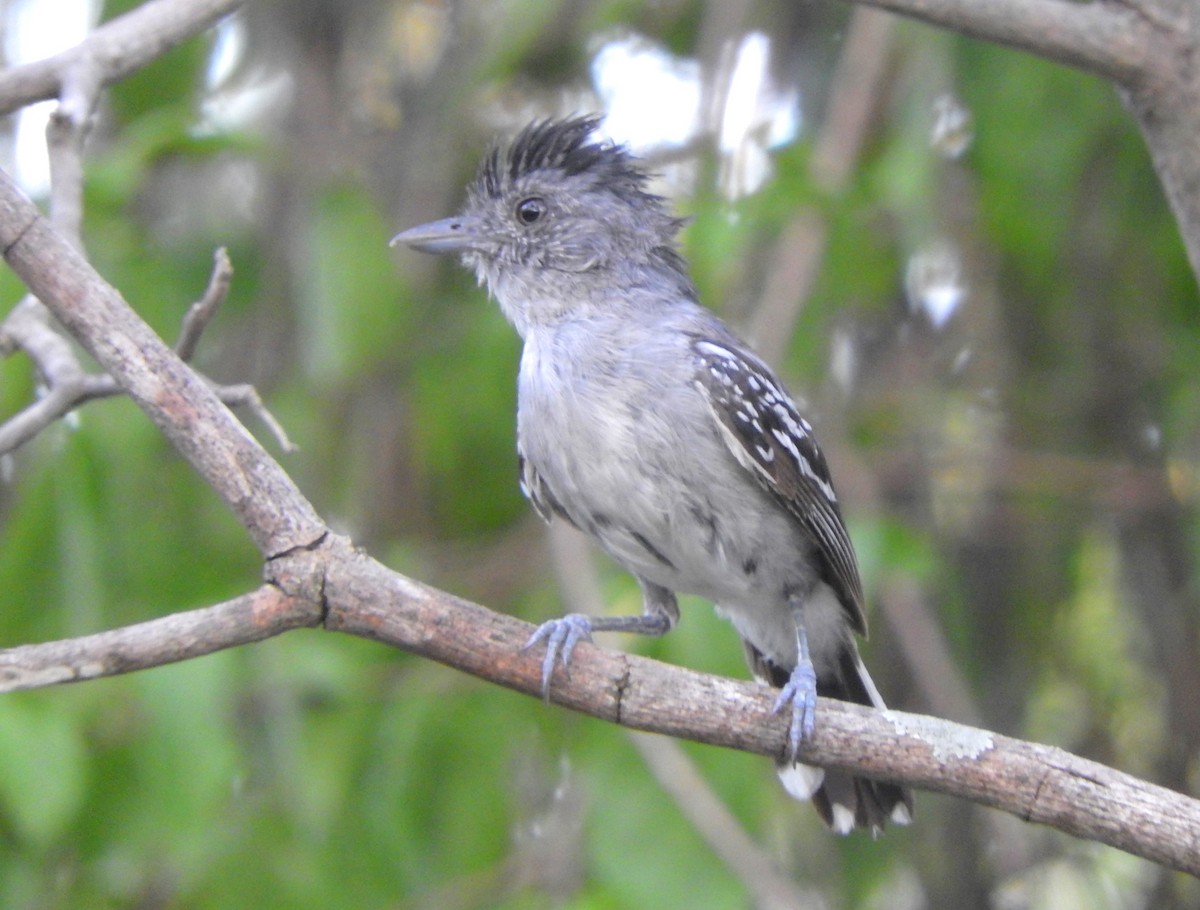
563	145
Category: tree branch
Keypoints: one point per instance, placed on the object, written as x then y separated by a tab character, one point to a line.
180	402
1147	48
110	53
260	614
80	74
1109	39
359	596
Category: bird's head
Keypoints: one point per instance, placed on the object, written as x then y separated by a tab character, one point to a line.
555	220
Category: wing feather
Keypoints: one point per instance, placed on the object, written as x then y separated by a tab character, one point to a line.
766	434
537	492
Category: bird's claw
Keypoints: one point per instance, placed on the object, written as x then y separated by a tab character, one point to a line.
801	693
561	636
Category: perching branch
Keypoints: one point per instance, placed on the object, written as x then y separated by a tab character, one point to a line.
359	596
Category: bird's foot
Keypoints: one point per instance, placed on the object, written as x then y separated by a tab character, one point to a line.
561	636
801	693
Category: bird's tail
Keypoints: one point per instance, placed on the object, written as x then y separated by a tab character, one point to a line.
843	801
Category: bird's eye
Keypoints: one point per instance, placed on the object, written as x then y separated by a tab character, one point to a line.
530	210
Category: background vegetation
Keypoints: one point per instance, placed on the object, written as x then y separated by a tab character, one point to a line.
1020	479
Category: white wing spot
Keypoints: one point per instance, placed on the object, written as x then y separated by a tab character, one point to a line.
826	487
788	443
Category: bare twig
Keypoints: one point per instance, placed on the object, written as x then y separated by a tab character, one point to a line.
200	313
196	320
79	75
67	385
64	380
244	395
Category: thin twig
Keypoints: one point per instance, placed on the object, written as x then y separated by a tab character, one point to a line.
244	395
78	75
182	404
67	385
200	313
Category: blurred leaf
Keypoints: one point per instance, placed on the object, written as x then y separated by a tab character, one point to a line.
43	770
352	304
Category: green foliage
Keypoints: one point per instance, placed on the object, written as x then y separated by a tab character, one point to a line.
352	316
45	769
461	385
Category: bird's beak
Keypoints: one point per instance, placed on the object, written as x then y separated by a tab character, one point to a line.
450	235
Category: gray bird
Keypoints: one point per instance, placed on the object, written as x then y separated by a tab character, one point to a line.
644	422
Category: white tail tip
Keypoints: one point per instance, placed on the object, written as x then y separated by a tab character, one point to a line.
801	781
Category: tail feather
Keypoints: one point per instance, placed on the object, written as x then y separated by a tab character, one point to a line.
843	801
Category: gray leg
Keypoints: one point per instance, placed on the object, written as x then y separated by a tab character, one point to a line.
660	612
800	692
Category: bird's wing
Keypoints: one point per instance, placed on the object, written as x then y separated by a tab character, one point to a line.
537	492
766	434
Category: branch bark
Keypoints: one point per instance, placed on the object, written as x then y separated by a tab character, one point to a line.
1110	39
181	403
262	613
359	596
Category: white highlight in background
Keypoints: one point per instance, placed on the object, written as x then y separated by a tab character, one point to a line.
35	30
